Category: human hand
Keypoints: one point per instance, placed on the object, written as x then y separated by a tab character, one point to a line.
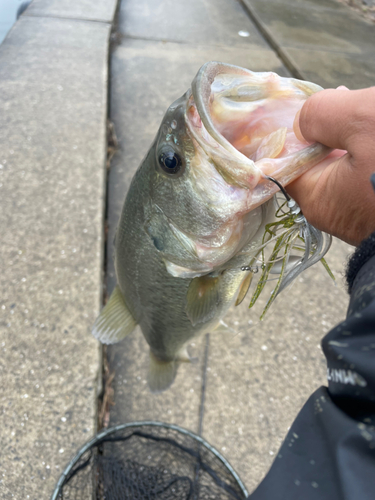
336	196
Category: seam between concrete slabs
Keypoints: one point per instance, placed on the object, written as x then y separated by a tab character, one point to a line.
120	36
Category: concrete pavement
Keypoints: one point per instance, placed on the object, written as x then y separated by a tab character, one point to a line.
53	102
319	40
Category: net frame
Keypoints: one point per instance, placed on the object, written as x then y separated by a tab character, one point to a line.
107	432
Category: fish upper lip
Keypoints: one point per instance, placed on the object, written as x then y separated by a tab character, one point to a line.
267	98
217	140
201	93
226	158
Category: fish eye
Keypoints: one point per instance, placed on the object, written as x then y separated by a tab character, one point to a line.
170	162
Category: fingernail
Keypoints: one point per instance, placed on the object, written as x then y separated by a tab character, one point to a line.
342	87
297	130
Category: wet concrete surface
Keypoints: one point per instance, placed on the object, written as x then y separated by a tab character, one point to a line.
330	29
325	42
207	22
331	69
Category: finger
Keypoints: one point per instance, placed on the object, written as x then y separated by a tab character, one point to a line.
332	200
301	189
335	117
316	190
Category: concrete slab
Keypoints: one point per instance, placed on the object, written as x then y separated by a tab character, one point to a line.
260	376
209	22
330	69
298	27
146	78
53	101
73	9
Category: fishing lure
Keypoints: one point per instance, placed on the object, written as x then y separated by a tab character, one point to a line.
291	232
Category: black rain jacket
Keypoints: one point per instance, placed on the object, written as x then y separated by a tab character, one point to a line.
329	452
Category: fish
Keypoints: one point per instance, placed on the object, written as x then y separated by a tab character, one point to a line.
197	208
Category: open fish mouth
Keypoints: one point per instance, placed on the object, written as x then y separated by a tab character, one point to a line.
244	121
235	128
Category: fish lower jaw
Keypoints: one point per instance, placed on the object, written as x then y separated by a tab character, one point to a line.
183	272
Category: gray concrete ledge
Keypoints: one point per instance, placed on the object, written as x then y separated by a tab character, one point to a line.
88	10
53	110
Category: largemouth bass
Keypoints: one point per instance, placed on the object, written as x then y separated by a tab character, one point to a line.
197	209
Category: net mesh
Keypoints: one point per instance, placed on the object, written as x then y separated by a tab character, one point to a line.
149	462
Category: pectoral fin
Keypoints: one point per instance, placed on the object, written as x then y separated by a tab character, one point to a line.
244	288
114	322
202	299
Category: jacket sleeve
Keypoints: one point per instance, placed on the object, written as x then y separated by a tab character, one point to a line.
329	452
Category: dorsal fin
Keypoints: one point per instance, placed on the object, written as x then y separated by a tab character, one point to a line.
114	322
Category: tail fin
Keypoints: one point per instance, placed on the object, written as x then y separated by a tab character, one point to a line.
161	374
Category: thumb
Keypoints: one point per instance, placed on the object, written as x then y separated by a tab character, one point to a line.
334	117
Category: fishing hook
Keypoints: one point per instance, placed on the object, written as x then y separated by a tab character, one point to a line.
280	186
292	204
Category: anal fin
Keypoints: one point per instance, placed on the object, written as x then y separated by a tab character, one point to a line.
183	355
161	374
244	288
114	322
223	327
